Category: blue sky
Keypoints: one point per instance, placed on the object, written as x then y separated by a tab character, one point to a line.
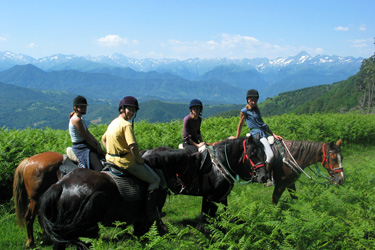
188	29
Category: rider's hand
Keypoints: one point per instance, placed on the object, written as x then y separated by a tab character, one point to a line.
277	137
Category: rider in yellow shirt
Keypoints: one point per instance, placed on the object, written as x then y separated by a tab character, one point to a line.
122	150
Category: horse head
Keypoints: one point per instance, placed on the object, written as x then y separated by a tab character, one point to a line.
332	161
255	155
244	156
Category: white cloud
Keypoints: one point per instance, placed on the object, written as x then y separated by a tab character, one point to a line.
360	43
231	46
32	45
340	28
362	28
2	39
115	41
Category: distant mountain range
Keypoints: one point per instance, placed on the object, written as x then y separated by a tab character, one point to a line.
29	107
39	92
214	81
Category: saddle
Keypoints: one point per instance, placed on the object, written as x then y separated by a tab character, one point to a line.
129	186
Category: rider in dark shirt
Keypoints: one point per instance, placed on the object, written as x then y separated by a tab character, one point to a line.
191	131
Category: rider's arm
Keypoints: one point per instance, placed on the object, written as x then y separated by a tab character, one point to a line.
239	128
89	138
135	152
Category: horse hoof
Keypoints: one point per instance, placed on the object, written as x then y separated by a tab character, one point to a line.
269	183
30	245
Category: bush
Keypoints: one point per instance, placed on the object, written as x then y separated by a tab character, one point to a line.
15	145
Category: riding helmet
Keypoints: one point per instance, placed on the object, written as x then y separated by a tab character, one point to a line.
252	93
80	101
128	101
195	102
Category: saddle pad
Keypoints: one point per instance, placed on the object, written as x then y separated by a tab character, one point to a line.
71	155
130	188
67	166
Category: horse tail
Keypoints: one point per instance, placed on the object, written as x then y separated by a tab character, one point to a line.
65	219
20	194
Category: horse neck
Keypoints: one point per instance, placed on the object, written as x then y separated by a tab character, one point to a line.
230	153
178	163
305	153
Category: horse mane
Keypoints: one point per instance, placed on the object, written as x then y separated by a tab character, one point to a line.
230	142
304	150
169	157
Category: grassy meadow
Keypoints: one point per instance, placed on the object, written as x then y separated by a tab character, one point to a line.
325	216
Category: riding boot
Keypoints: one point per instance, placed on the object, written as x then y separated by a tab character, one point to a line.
152	212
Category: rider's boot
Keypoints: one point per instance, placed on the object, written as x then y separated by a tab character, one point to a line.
152	212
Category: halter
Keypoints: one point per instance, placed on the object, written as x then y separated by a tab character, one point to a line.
245	156
326	158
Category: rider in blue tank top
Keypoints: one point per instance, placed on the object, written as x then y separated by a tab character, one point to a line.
254	121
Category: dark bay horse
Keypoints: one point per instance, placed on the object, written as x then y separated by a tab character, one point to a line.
240	158
305	154
34	175
73	206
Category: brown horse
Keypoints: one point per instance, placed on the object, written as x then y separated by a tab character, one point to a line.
36	174
73	206
305	153
33	176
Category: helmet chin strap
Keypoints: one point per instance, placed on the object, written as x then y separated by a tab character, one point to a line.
76	110
126	117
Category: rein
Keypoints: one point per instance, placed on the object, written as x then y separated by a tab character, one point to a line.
294	162
254	166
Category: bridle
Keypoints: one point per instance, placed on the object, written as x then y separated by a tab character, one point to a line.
326	159
245	156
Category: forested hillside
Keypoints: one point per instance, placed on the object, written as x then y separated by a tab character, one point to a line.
355	94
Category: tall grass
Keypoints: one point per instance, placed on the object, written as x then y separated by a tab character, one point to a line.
323	217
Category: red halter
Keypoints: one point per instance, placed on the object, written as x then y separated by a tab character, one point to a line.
326	158
245	156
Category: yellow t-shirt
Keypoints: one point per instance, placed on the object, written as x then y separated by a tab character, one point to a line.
118	137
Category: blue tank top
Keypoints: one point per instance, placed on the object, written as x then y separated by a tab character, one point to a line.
255	122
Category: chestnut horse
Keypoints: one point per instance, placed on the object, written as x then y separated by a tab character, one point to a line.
33	176
305	153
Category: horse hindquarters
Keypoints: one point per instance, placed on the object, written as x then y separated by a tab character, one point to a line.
49	209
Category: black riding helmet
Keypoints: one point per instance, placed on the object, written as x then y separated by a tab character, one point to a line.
80	101
196	102
252	93
128	101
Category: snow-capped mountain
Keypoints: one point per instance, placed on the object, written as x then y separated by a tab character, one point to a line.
189	68
269	76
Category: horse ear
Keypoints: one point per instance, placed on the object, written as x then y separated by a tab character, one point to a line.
249	140
332	144
338	143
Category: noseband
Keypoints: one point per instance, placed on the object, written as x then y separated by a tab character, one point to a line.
245	156
326	159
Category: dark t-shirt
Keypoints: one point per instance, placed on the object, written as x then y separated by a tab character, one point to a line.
192	129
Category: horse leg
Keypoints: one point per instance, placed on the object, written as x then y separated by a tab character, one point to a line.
29	218
277	192
206	207
59	246
162	228
292	191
